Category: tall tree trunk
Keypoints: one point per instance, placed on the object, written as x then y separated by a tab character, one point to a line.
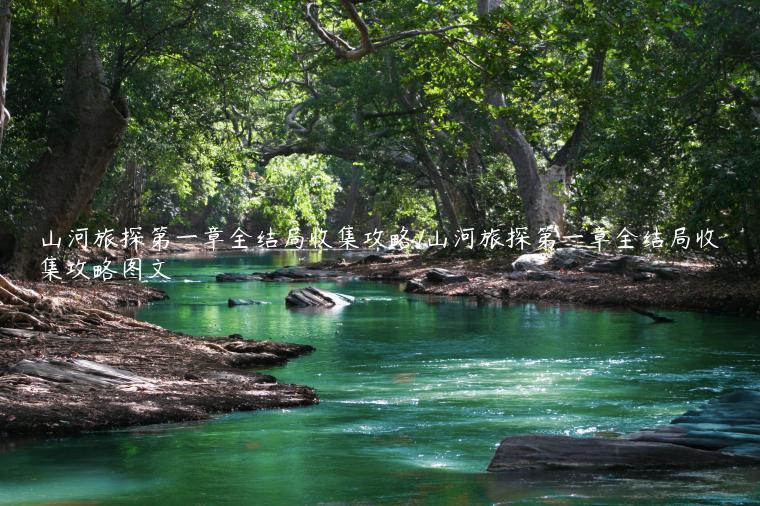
89	128
5	41
540	193
352	198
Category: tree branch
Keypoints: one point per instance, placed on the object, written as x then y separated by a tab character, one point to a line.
569	151
344	50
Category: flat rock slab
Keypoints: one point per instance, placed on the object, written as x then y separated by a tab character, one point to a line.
544	452
723	432
729	423
314	297
445	276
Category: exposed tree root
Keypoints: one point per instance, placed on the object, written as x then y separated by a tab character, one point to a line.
26	309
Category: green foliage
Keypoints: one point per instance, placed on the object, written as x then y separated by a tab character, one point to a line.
295	192
215	87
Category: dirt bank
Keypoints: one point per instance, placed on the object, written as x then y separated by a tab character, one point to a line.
697	288
69	363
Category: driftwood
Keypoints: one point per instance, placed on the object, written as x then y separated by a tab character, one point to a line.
78	371
655	317
22	308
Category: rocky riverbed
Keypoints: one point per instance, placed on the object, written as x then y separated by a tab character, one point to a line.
70	363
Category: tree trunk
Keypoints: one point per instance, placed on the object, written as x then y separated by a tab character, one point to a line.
352	198
540	193
89	128
5	40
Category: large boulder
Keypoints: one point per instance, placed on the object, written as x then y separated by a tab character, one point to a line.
572	258
531	262
314	297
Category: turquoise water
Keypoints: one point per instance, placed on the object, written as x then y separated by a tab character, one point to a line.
415	395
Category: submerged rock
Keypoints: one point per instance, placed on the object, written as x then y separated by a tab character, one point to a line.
298	274
314	297
245	302
445	276
226	277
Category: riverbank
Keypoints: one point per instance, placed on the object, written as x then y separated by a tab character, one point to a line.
70	363
696	287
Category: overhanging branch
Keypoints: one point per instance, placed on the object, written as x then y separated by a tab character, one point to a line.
344	50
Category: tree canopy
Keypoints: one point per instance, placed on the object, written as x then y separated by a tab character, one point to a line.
441	114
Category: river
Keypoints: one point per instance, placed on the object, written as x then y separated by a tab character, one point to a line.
416	393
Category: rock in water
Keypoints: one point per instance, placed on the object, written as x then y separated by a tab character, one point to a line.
413	286
297	274
729	424
235	276
244	302
444	276
543	452
723	432
314	297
